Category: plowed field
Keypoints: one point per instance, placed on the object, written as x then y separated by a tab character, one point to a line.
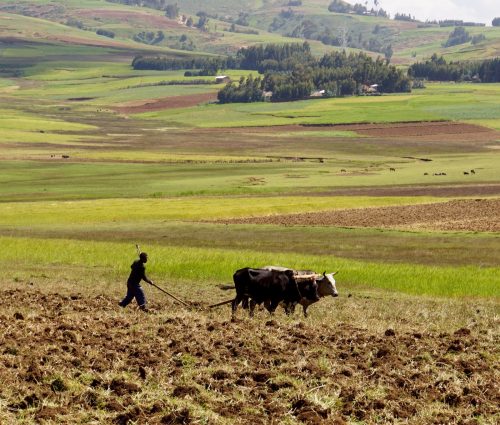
75	359
478	215
166	103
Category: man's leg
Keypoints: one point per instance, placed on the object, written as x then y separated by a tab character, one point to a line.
129	297
140	297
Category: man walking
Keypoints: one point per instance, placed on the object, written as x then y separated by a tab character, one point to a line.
134	288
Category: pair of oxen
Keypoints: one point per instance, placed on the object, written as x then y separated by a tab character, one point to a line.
272	285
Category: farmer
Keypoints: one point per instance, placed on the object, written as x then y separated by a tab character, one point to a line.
134	288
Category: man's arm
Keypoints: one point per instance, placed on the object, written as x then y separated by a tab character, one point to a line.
147	279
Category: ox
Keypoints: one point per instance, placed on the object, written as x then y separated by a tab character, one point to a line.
270	287
326	286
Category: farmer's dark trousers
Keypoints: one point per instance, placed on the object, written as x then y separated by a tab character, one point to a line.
134	291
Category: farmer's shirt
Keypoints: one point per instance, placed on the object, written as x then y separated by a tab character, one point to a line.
137	274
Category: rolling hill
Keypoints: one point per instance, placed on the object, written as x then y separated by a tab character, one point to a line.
229	25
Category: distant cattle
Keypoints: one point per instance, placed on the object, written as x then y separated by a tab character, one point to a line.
466	173
269	287
343	170
392	169
472	171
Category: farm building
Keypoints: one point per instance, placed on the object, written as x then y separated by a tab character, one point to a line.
222	79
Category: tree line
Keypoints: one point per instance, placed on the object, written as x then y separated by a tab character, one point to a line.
292	73
437	69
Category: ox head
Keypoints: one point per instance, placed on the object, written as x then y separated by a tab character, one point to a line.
327	286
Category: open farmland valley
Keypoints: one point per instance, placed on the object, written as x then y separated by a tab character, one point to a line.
336	162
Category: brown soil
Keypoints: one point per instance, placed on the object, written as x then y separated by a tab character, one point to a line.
140	17
415	129
125	366
478	215
439	131
166	103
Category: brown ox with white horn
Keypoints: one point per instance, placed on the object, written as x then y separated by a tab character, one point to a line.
326	286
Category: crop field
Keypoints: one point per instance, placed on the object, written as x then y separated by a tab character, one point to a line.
398	193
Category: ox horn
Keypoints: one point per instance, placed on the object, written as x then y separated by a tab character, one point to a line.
333	274
324	273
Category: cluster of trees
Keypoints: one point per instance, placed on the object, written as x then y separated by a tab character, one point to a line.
248	90
458	23
437	69
340	6
291	73
172	11
235	29
458	36
477	38
162	63
71	22
404	17
105	33
274	57
149	37
310	29
495	22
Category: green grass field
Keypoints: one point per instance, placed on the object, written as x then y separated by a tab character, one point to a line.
152	176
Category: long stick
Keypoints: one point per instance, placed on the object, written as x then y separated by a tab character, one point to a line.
221	303
170	295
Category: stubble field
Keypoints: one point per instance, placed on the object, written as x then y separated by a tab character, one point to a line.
75	358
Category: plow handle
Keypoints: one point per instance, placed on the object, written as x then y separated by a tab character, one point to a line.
170	295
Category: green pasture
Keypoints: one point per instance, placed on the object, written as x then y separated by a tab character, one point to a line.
468	101
424	42
109	84
59	179
4	82
41	259
18	120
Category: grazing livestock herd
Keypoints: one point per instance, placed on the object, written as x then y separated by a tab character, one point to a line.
272	285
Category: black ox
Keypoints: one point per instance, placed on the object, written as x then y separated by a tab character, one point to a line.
270	287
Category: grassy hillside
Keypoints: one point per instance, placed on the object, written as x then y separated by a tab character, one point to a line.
262	22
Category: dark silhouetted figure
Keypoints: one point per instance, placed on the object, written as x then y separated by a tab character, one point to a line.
134	288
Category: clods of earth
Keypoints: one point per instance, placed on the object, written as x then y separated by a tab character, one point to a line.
81	359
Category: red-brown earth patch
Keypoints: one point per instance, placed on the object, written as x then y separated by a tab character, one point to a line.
432	131
478	215
172	102
146	20
415	129
71	358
